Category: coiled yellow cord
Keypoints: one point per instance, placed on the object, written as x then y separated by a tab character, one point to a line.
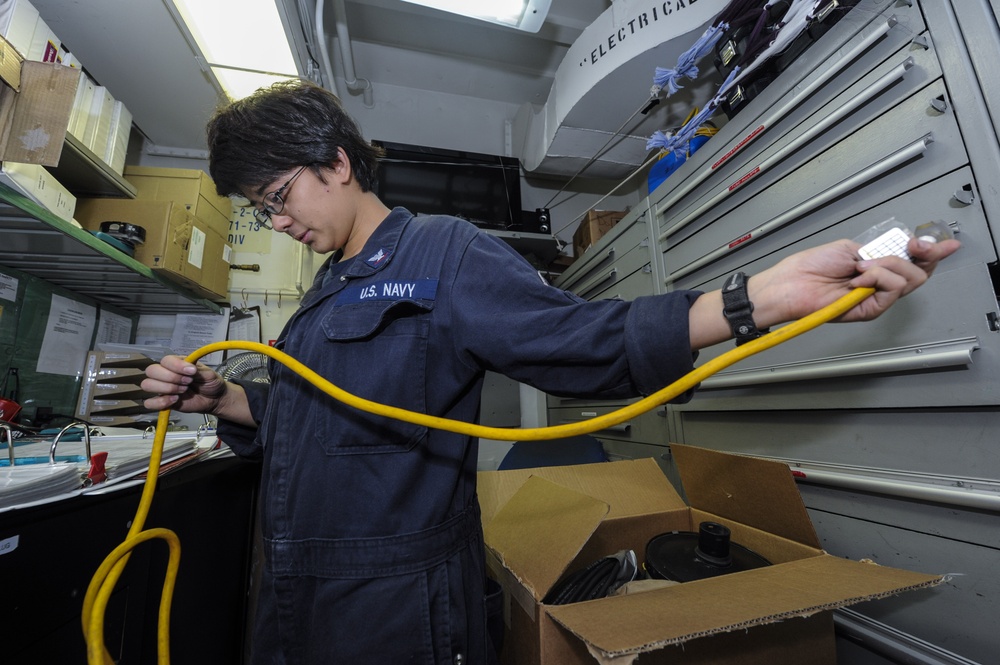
107	575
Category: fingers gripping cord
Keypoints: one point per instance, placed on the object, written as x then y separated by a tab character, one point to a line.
107	575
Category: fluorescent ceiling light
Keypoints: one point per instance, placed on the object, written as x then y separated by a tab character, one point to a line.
245	48
527	15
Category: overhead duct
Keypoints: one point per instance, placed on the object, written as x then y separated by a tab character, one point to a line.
604	79
353	83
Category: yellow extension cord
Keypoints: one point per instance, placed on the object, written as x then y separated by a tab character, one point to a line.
101	586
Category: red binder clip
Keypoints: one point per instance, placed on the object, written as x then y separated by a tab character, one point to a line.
97	473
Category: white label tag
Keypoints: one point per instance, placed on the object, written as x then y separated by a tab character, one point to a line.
8	545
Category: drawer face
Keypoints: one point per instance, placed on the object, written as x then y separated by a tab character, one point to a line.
960	615
629	287
649	427
890	156
930	441
606	280
934	348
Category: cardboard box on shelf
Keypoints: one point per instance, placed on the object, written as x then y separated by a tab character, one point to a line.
542	523
594	225
179	245
34	120
192	188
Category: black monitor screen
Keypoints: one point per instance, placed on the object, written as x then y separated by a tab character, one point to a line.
484	189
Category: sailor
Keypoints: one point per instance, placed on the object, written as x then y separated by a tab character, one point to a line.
372	539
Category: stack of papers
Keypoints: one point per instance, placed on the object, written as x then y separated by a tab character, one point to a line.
27	484
32	479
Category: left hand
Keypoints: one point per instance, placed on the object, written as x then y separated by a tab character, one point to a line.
814	278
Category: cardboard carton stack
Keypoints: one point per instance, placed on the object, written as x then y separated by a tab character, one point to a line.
186	223
543	523
594	225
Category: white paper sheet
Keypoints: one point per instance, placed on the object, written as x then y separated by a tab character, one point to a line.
67	337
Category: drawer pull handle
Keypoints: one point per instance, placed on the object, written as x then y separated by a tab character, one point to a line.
951	353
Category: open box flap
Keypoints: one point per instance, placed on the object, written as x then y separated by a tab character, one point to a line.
640	622
629	487
541	529
756	492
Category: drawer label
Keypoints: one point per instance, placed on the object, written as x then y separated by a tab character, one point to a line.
8	545
739	146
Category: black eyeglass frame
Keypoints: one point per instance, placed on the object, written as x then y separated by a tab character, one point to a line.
273	202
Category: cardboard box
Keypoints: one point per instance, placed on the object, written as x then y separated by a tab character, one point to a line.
543	523
34	120
178	245
192	188
594	225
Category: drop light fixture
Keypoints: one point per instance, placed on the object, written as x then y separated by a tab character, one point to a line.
527	15
245	49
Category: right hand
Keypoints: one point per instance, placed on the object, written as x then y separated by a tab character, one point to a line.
183	386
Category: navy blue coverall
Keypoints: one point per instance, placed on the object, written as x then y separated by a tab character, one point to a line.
371	526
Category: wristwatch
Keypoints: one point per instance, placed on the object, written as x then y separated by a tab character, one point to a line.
738	309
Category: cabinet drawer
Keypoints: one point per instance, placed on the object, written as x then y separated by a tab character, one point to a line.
649	427
933	349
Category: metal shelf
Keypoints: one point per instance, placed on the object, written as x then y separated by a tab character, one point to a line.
36	242
81	172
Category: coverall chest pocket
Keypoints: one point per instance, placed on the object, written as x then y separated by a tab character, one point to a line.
376	350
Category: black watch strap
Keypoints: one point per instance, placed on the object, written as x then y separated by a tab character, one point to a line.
738	309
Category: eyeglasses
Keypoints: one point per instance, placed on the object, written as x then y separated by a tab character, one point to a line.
273	202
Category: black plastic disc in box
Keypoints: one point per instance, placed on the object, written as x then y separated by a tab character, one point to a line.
685	556
131	234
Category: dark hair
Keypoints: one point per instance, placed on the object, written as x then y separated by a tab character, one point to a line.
257	139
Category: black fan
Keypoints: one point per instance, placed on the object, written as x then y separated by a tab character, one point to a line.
249	365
